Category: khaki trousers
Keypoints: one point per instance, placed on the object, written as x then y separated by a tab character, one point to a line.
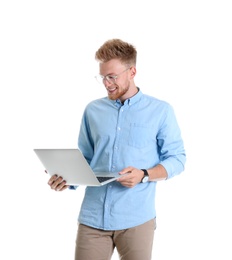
132	244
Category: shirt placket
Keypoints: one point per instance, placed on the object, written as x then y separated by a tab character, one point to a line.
115	156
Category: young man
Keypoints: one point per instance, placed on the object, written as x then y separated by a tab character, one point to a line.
126	132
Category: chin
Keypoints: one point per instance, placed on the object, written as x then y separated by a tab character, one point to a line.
113	97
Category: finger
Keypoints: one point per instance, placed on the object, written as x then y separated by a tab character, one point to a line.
127	177
64	187
58	182
61	186
52	179
124	171
127	183
54	183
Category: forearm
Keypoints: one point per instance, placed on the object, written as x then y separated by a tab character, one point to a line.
157	173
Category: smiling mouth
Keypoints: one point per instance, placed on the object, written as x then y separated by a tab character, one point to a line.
111	90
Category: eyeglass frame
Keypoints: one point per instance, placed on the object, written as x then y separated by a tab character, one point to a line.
111	79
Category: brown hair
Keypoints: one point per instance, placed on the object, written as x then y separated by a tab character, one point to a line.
117	49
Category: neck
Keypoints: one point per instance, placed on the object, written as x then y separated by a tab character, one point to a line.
133	90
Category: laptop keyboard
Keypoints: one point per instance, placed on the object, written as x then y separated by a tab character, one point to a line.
102	178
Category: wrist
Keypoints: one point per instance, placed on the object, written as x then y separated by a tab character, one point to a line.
145	177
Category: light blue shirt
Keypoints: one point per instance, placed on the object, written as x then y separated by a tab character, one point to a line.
142	133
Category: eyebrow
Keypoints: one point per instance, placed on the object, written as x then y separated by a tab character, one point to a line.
109	74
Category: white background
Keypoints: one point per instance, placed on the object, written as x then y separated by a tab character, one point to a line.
47	71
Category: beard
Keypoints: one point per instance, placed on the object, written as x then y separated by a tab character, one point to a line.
119	92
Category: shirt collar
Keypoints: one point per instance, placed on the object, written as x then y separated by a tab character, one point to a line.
130	101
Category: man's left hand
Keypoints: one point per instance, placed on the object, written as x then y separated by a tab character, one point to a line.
132	178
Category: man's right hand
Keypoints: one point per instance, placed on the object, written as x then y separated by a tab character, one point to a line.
57	183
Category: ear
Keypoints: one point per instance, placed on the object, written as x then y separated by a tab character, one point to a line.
133	71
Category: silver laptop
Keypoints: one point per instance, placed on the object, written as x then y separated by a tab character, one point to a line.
73	167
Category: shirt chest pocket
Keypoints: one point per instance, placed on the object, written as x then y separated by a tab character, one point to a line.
141	135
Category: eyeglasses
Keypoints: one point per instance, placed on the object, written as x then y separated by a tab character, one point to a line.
111	79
